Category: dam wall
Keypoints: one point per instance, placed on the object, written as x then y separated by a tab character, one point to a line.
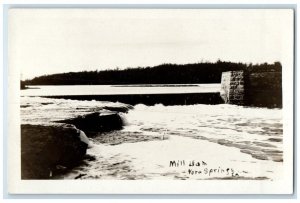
152	99
261	89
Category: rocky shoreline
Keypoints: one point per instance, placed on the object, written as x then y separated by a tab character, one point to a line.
50	148
47	149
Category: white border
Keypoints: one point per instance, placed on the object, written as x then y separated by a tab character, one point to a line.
130	188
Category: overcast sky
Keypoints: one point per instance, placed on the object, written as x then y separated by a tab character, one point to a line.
46	41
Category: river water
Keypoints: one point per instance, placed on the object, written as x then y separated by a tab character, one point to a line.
246	141
48	90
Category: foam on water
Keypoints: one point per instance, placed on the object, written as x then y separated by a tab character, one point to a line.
237	137
256	131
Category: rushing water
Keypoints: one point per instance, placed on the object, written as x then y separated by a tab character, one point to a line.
248	140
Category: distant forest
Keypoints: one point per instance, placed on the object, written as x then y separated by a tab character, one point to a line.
205	72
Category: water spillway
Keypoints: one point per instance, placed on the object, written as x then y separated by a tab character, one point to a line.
152	99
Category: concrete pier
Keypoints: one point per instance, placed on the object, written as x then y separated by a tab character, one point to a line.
261	89
232	87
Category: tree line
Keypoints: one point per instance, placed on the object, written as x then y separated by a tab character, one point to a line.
204	72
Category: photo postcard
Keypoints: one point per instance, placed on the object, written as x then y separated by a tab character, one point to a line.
150	101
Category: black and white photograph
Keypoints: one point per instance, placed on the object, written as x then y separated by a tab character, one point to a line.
179	96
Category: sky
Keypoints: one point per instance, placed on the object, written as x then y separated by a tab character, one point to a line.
47	41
